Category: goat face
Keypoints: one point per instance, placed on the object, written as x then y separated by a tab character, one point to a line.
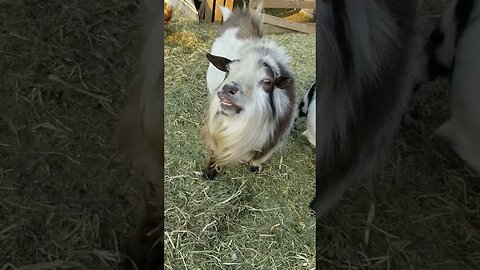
248	85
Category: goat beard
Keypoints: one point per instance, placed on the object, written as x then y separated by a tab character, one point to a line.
237	138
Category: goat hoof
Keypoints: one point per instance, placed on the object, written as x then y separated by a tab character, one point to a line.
312	206
255	169
209	173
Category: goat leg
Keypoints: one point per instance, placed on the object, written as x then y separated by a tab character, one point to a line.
211	170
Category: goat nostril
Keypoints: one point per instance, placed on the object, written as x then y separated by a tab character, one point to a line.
230	89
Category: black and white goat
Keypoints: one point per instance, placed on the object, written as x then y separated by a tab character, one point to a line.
453	51
367	53
252	93
306	108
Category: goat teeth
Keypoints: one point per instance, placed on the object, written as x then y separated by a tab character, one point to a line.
226	103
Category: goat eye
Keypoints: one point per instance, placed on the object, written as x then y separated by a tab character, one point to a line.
267	82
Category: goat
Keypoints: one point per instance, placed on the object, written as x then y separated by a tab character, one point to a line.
306	108
140	137
367	61
452	50
252	94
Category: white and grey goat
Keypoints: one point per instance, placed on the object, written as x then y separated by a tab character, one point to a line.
252	93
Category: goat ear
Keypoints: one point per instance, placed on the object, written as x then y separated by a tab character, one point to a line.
219	62
283	82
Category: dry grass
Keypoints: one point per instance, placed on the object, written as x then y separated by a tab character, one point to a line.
422	211
240	220
64	197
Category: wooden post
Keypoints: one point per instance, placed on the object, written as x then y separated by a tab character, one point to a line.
213	13
187	7
284	4
218	12
229	4
209	10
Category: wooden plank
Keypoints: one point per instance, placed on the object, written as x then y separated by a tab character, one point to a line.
187	7
274	29
201	11
218	12
209	10
229	4
283	4
301	27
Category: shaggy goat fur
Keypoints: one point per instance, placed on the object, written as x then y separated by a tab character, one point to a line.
452	50
366	61
141	137
252	94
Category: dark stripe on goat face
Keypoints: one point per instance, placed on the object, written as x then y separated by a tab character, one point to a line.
463	9
272	104
269	89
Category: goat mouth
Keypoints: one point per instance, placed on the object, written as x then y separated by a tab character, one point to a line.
227	102
228	105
